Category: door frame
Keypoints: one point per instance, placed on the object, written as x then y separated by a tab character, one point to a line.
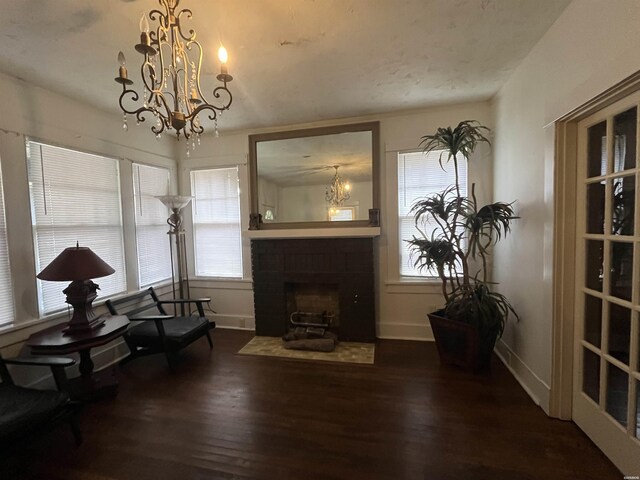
564	242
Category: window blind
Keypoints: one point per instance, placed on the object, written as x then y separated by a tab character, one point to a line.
216	222
154	255
7	312
75	197
420	175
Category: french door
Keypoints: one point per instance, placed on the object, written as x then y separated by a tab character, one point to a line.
606	377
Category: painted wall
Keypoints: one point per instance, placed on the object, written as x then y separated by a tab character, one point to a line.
307	202
592	46
29	111
402	304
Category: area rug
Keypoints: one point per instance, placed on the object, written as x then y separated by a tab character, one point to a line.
348	352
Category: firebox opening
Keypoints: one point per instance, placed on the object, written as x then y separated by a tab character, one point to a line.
314	303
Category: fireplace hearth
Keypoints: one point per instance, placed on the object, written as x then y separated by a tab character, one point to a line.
330	275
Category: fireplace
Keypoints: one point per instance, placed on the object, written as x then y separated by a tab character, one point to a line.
334	276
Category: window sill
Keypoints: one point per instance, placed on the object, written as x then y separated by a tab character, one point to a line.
13	333
414	286
222	283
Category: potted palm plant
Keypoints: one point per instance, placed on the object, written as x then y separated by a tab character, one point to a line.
456	237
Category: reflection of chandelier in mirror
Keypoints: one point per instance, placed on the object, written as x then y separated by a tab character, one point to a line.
170	72
338	191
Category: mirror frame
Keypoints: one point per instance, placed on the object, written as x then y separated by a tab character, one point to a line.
373	127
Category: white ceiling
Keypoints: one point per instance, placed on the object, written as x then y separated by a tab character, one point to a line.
293	61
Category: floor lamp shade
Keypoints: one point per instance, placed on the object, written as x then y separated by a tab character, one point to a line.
78	265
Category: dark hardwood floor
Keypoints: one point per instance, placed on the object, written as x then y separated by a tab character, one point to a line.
223	415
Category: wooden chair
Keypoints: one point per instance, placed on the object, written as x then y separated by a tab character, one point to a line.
159	332
25	411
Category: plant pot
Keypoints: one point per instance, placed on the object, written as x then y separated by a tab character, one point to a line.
461	344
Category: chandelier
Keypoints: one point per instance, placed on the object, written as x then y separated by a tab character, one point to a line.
338	191
170	71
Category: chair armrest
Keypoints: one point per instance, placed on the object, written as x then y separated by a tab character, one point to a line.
146	318
186	300
57	365
182	301
41	361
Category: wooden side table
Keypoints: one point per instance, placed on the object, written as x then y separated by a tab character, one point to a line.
89	385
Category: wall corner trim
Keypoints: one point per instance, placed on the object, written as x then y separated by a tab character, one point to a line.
535	387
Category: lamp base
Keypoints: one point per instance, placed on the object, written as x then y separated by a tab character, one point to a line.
78	329
80	295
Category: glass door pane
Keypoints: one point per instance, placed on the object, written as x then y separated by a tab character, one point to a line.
624	129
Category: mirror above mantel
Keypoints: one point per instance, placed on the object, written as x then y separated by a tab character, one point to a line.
323	177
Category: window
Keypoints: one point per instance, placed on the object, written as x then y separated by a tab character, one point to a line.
75	197
420	175
216	222
341	214
152	241
7	312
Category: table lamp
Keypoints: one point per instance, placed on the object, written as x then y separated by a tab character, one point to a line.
78	265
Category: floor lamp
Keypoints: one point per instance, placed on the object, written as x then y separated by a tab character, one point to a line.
177	246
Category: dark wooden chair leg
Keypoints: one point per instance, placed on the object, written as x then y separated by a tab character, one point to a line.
209	340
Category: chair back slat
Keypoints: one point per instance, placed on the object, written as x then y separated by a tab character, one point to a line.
134	304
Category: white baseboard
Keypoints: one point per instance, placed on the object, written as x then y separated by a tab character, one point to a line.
234	322
537	389
405	331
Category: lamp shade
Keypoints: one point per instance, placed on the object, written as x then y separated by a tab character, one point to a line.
175	202
75	263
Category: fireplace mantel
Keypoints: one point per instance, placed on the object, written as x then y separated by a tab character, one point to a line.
340	232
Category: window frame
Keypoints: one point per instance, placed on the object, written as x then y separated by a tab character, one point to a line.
4	249
43	314
134	206
417	278
192	233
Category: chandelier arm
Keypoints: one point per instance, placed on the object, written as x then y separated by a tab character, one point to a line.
134	98
146	65
160	126
160	53
160	96
192	33
182	81
163	18
197	129
198	69
216	94
139	112
202	107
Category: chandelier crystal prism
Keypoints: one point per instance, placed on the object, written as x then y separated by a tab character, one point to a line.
338	191
170	72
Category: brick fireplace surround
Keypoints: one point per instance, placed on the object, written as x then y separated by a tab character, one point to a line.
343	263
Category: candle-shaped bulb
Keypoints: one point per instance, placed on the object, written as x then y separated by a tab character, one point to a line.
144	34
144	24
222	55
122	71
347	186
